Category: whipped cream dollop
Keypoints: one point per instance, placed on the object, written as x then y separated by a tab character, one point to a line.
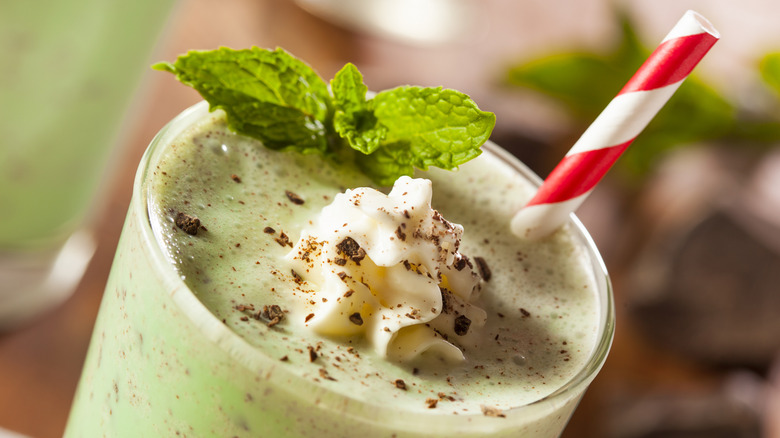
387	267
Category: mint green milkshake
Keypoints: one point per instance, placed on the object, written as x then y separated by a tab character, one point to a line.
68	71
202	333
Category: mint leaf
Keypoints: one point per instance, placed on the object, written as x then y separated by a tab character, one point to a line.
353	119
349	91
439	127
388	163
278	99
268	95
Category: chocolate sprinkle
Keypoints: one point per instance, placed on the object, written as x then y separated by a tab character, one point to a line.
446	300
356	319
273	314
283	240
324	374
462	324
351	249
188	224
490	411
294	198
484	270
400	233
461	263
312	354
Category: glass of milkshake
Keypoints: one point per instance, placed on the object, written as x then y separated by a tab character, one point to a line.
68	71
205	328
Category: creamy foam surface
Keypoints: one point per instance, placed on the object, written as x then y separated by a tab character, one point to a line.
542	313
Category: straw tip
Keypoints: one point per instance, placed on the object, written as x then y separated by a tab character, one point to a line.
703	23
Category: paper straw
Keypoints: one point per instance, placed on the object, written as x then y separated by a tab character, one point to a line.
616	127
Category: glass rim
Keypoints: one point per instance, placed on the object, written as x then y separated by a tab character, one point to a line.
255	359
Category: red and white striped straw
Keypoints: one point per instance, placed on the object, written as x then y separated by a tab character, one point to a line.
616	127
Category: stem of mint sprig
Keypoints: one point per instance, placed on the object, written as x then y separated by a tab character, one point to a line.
281	101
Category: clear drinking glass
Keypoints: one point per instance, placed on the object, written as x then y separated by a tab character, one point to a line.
68	71
161	364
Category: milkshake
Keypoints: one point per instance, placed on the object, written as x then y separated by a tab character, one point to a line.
68	71
202	330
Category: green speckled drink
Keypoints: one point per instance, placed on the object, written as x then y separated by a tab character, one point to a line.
68	71
181	347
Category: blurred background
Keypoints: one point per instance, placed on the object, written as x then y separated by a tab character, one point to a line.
688	221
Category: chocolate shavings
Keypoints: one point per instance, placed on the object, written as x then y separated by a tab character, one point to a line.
188	224
294	198
484	270
351	249
356	319
462	324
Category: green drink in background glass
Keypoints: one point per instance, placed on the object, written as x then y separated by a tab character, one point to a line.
174	353
68	71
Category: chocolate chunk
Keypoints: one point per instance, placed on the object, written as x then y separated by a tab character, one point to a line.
188	224
350	248
462	324
484	270
431	402
400	233
446	300
356	319
525	312
462	262
312	354
294	198
324	374
283	240
490	411
269	230
400	384
273	314
243	307
235	178
443	396
296	277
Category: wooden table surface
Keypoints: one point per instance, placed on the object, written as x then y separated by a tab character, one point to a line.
40	363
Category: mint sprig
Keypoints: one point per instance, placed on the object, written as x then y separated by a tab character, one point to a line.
281	101
268	95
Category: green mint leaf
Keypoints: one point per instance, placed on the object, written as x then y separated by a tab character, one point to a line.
349	91
353	119
274	97
388	163
440	127
268	95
